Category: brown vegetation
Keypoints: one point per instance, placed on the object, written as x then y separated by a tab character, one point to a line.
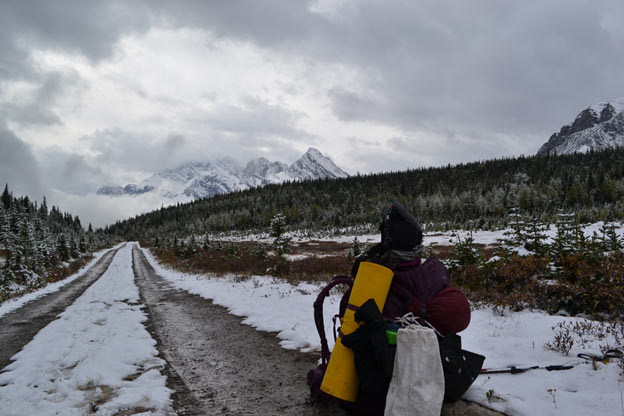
579	285
322	261
59	272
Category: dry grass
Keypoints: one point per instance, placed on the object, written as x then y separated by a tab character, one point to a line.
594	287
581	286
57	273
322	260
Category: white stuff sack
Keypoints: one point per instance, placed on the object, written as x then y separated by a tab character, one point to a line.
417	385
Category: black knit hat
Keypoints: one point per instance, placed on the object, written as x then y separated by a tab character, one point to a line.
399	229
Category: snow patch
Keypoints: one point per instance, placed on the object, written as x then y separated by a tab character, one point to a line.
96	358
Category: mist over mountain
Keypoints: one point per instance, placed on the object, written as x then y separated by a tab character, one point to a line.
204	179
598	127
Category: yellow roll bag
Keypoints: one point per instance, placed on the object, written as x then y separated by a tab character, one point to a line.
371	282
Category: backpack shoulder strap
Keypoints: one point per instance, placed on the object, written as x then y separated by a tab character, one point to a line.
318	312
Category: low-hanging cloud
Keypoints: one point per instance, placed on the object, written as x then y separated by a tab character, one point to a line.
18	167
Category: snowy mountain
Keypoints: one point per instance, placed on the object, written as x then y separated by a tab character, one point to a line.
200	180
598	127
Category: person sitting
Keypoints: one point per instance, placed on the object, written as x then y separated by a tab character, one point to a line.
422	287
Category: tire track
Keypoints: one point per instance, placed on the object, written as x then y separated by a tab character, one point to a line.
18	327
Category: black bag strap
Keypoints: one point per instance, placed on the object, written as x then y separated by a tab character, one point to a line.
318	312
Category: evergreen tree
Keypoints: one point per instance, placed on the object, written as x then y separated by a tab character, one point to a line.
281	242
6	197
536	237
62	248
562	244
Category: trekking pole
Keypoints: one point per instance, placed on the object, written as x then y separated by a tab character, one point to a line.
515	370
613	353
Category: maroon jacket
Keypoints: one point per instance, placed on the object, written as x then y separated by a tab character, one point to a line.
414	279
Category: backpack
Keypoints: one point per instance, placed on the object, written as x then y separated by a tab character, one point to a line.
460	367
315	376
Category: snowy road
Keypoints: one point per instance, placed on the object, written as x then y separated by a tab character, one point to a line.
145	339
96	358
99	347
19	327
216	364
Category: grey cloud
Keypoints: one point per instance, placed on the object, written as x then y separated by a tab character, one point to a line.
71	173
482	69
478	68
246	130
349	106
174	142
116	147
37	108
90	28
267	22
75	26
31	113
257	117
18	167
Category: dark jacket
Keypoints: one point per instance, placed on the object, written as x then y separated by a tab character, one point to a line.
414	279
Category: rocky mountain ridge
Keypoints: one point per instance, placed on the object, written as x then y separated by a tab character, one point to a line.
598	127
204	179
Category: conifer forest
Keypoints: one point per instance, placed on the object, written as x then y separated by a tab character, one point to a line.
39	244
475	195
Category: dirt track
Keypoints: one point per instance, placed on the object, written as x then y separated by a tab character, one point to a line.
218	365
17	328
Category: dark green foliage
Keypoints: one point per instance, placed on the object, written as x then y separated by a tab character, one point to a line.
465	252
260	251
34	239
281	242
356	248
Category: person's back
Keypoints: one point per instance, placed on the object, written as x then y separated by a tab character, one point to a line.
421	287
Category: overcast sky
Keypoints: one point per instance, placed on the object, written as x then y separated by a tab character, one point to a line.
109	92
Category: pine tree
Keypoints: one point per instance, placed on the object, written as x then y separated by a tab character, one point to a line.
536	237
62	248
516	235
562	244
281	242
6	197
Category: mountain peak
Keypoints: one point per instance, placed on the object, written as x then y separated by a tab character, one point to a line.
203	179
314	165
598	127
313	151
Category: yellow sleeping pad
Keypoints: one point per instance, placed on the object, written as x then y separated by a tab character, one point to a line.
372	282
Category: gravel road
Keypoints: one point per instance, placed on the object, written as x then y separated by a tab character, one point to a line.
17	328
217	365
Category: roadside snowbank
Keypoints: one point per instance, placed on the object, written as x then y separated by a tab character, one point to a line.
270	304
96	358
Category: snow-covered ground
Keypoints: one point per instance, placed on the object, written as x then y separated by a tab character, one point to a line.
97	358
99	353
505	339
430	237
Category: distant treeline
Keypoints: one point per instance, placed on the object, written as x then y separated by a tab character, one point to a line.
467	196
35	239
